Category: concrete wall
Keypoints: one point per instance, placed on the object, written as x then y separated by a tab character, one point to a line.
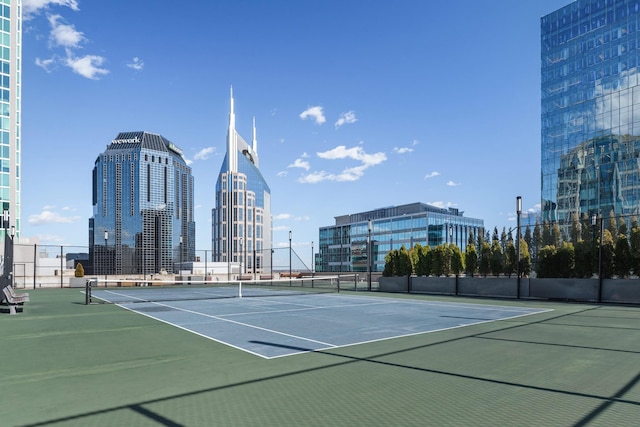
589	290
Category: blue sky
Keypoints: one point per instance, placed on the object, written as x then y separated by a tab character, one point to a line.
358	104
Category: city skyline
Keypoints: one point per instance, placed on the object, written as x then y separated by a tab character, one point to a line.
357	106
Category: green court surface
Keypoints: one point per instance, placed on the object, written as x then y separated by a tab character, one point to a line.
68	364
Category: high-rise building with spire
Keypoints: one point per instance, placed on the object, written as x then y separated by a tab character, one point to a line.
241	219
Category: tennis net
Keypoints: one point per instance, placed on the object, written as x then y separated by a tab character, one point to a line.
131	291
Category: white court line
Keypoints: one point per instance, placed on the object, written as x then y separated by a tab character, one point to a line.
237	323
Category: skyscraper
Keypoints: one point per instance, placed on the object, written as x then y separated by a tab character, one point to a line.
10	95
591	110
142	207
241	218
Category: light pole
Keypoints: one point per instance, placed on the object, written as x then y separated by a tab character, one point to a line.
180	249
518	212
242	271
594	220
289	257
369	228
106	255
312	256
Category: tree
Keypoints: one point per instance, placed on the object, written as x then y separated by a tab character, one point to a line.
583	251
422	267
546	234
457	264
544	266
525	258
556	235
607	254
564	261
496	262
484	266
634	243
510	259
389	261
471	260
537	241
613	226
404	263
439	254
576	228
622	257
503	239
79	270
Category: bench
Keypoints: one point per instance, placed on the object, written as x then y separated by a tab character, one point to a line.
20	295
11	301
245	277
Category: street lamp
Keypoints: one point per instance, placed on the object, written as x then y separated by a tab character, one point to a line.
106	255
518	212
289	257
312	256
369	228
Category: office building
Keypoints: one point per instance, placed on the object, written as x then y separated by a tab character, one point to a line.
142	207
343	246
10	112
590	127
241	219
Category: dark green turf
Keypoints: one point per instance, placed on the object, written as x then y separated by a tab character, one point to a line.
64	363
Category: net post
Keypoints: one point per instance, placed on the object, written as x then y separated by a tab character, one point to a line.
87	292
239	289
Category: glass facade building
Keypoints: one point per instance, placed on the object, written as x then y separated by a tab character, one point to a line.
241	219
142	219
343	246
10	110
590	124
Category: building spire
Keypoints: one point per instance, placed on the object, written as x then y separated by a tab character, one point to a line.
232	143
254	141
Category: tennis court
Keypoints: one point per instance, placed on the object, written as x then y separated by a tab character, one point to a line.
275	326
65	363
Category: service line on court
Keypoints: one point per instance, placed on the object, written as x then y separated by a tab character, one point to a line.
211	316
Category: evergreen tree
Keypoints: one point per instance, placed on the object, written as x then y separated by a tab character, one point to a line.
484	266
404	263
583	251
613	226
496	262
510	259
576	229
546	234
634	243
471	260
622	257
564	261
495	235
457	263
556	235
585	227
525	259
546	256
537	242
389	261
608	250
503	239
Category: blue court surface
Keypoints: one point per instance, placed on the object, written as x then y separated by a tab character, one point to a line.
278	326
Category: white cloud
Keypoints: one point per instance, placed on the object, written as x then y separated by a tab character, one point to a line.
64	35
281	228
346	119
204	153
281	216
45	64
89	66
453	184
349	174
282	174
314	113
137	64
50	217
299	163
402	150
442	205
431	174
33	7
